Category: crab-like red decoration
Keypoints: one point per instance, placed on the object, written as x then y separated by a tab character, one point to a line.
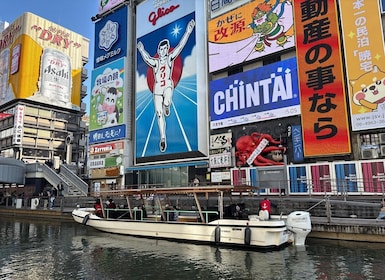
246	145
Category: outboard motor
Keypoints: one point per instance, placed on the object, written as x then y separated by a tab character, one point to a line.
299	223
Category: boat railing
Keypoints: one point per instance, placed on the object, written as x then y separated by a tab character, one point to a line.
170	215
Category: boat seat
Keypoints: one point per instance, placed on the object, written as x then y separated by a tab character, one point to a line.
187	219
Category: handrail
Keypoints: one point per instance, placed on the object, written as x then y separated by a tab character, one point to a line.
189	213
74	179
318	203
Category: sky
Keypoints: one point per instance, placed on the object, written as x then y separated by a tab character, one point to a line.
74	15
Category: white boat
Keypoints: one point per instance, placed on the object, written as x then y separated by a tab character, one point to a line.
254	231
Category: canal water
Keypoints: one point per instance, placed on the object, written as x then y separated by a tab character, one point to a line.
36	249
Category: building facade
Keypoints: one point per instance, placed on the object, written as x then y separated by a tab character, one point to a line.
42	91
242	92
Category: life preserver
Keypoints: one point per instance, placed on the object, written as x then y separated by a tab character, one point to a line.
35	202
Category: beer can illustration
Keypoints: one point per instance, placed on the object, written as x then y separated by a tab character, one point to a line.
55	76
4	74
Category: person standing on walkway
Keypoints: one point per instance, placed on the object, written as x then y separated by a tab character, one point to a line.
51	199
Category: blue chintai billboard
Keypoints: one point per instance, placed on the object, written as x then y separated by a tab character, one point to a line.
265	93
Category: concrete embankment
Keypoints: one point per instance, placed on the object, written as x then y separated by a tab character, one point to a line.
46	214
350	229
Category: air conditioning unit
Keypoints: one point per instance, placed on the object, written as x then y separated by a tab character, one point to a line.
369	153
382	138
382	148
84	73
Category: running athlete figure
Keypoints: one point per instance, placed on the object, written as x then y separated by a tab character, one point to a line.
162	67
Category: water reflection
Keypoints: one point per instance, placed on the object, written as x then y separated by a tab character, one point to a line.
56	250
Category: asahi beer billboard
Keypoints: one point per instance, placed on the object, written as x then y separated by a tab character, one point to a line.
43	61
171	93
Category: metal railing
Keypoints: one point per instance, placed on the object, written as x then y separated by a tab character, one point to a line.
171	215
73	180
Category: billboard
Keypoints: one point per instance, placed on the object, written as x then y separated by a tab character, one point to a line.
296	137
106	101
298	178
111	37
42	61
325	126
373	176
218	7
18	125
106	5
261	94
112	155
346	176
365	63
251	31
220	150
108	134
170	92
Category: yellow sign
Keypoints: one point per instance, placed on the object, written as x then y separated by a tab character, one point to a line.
42	61
365	62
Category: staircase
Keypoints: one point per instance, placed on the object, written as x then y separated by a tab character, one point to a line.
72	184
76	186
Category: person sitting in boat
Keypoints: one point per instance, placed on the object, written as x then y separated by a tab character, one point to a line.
265	208
98	208
111	205
171	213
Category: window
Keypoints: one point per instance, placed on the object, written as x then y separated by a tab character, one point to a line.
167	177
235	70
271	60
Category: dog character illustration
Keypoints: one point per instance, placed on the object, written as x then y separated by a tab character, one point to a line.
109	108
369	89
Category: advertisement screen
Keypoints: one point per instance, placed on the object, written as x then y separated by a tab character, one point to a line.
106	101
106	5
170	106
261	94
111	37
324	114
365	63
251	31
42	61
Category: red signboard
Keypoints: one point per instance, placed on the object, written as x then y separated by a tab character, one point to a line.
323	103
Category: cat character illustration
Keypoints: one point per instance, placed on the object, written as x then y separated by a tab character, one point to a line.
369	89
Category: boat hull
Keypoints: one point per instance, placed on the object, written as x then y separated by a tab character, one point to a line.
224	232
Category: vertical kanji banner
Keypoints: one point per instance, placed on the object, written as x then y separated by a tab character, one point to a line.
365	62
323	105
